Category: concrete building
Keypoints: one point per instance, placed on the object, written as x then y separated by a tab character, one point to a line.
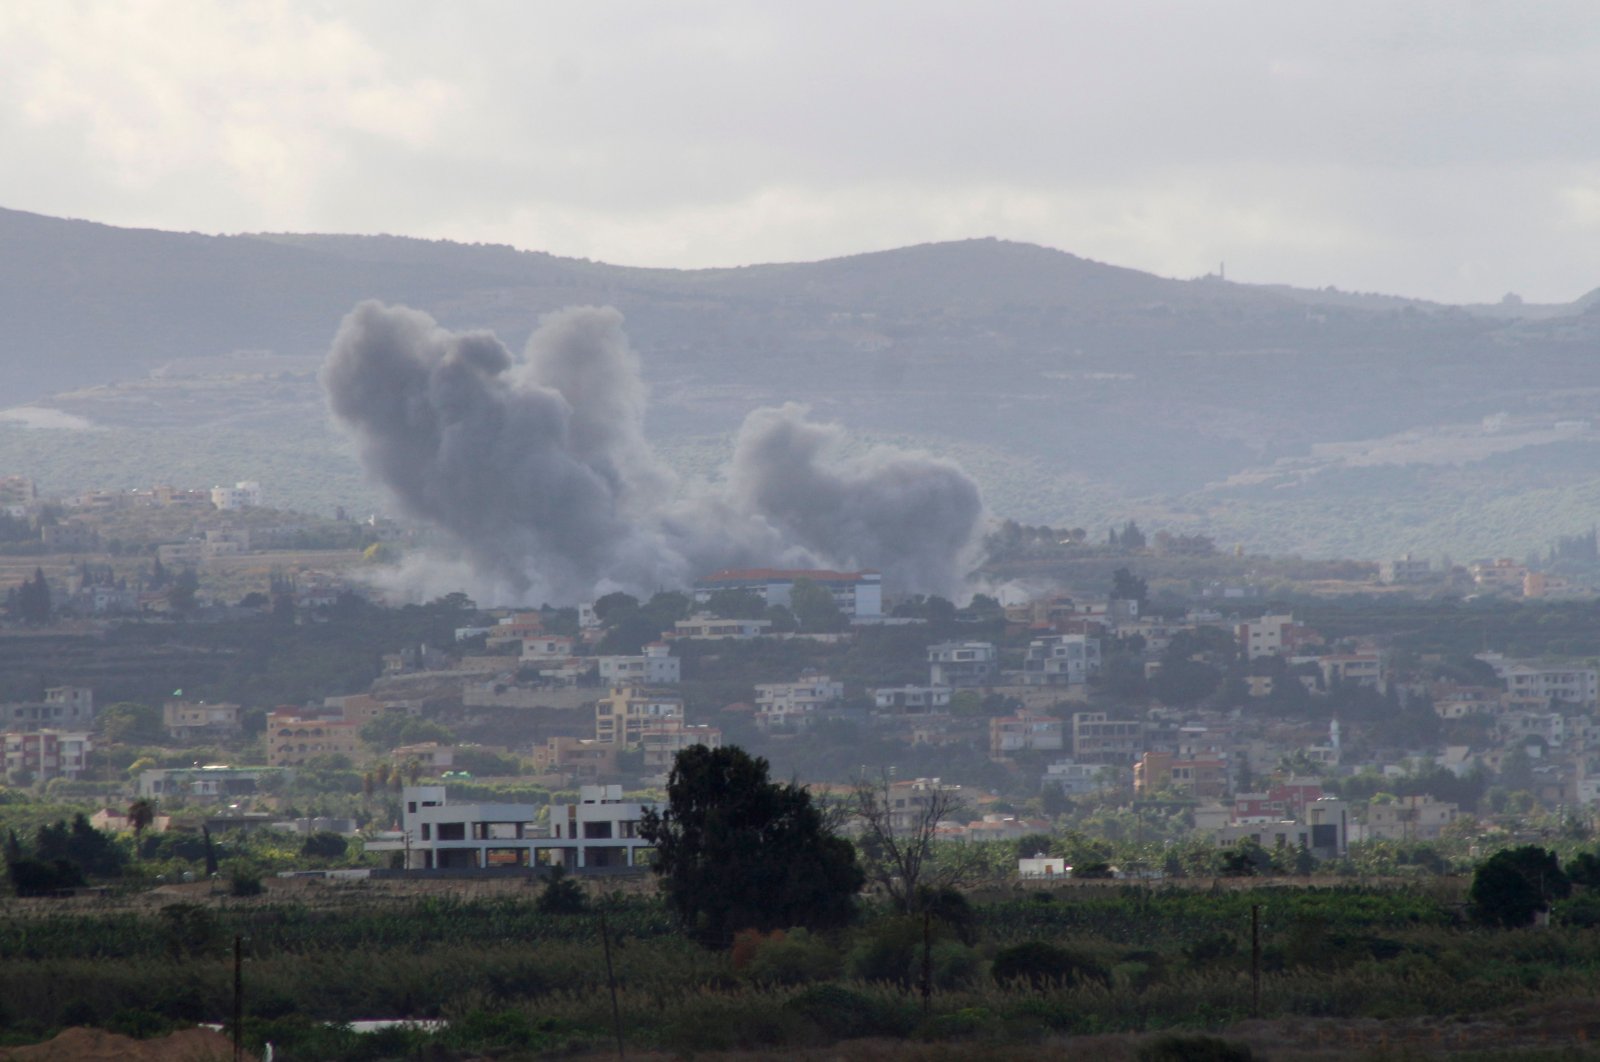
1025	732
712	628
1405	571
793	705
1411	818
963	665
1097	738
211	782
600	830
292	740
911	700
656	666
63	706
192	720
245	494
1073	778
858	594
1274	636
1061	660
624	715
43	755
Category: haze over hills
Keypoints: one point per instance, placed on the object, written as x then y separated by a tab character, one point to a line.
1078	393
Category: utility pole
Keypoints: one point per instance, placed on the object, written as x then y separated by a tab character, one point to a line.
611	980
927	962
238	999
1255	960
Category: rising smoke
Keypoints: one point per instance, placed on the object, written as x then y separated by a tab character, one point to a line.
539	470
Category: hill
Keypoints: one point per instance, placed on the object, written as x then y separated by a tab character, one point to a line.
1079	392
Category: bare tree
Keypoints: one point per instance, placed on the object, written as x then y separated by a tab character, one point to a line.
898	826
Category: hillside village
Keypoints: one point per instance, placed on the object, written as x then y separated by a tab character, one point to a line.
1199	714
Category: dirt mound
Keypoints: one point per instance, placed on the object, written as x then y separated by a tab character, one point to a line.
97	1045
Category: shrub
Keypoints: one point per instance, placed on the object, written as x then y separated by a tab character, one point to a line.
1194	1049
244	879
842	1013
792	958
1044	965
561	895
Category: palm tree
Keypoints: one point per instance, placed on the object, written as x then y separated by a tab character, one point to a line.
141	813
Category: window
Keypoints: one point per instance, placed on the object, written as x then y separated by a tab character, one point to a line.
452	831
599	830
427	831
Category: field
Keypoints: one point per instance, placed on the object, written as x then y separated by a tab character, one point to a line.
1345	971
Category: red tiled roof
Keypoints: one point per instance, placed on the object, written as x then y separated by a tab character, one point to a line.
747	575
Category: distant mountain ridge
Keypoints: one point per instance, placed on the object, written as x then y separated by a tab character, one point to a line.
1084	390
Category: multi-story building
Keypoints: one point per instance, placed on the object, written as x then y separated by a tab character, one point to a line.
1406	570
1061	660
43	755
662	744
1097	738
581	758
858	594
189	720
1025	732
792	705
1411	818
1274	636
656	666
963	665
911	700
293	740
599	830
63	706
624	715
1537	685
245	494
1503	574
1205	777
1073	778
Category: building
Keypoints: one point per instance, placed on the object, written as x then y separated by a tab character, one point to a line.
245	494
655	667
963	665
662	744
623	716
211	782
600	830
63	706
1025	732
1073	778
1097	738
712	628
43	755
1532	685
191	720
791	705
911	700
1061	660
1205	777
545	648
1411	818
292	740
1360	668
430	757
1405	571
1274	636
584	759
1503	574
858	594
1324	831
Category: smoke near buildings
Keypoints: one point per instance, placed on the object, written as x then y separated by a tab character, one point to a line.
538	469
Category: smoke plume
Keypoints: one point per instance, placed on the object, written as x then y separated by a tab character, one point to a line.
539	471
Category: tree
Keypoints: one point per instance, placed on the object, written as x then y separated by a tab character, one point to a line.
561	894
813	605
182	595
898	845
33	599
614	603
1515	885
141	813
737	604
1125	586
735	850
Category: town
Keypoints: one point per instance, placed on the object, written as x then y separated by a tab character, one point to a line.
1137	725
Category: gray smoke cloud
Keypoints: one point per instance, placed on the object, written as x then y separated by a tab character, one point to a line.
539	470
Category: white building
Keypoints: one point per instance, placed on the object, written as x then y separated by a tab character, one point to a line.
1536	685
712	628
1073	778
246	494
1061	660
600	830
856	593
656	667
782	705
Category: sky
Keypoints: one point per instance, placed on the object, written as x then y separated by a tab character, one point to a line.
1439	150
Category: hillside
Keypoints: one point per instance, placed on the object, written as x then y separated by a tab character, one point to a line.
1078	392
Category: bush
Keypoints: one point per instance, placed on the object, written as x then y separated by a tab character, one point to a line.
1044	965
792	958
843	1014
561	895
244	879
1194	1049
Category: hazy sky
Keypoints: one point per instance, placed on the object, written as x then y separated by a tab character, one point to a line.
1447	150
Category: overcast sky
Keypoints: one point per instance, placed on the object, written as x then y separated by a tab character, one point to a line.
1444	150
